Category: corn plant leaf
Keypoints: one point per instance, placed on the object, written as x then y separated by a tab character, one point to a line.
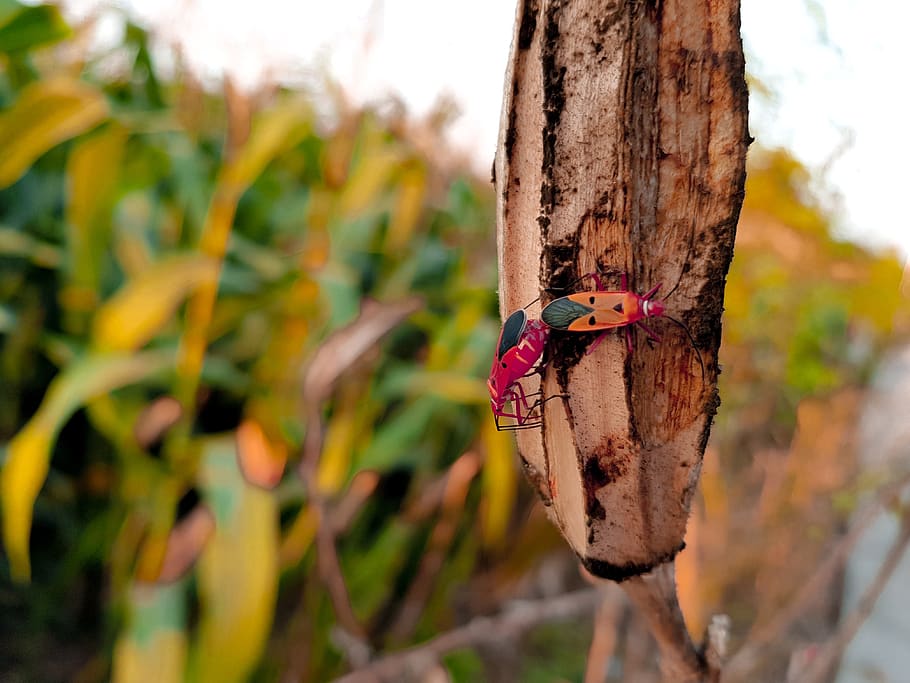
401	441
92	173
145	304
238	570
46	114
274	132
499	482
29	451
153	647
30	27
8	11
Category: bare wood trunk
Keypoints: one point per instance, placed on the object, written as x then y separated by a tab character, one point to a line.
622	148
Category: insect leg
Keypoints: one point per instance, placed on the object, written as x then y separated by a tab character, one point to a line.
652	291
649	331
596	343
518	399
536	370
601	287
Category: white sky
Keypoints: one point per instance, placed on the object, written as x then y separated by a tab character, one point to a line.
838	68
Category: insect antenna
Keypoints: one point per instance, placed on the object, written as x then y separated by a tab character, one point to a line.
571	285
528	423
688	254
675	287
701	361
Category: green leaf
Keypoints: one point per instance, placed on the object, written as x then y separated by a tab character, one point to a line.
401	440
47	113
8	10
93	172
29	452
8	319
31	27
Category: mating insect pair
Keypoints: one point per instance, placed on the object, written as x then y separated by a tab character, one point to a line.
522	341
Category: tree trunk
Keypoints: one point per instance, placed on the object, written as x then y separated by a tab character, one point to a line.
622	149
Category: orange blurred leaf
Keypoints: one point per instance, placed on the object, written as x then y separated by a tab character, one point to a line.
261	462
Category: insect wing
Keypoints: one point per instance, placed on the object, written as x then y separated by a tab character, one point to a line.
561	313
512	330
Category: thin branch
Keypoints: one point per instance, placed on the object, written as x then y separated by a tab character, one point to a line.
717	639
458	482
821	665
336	356
747	658
603	641
514	621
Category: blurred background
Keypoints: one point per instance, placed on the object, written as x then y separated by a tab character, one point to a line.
247	310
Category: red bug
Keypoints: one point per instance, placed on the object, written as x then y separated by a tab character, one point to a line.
520	347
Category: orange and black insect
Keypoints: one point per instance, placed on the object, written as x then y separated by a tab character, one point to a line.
604	310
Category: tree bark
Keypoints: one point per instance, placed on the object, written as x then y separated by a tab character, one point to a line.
622	149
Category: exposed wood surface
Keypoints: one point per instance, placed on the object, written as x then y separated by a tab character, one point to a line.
622	148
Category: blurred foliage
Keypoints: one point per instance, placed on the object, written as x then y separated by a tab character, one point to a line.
172	261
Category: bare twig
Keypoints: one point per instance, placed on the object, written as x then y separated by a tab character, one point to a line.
458	482
344	348
717	638
745	660
638	662
603	641
820	666
337	355
514	621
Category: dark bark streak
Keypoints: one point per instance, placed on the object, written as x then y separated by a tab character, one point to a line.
553	104
528	24
640	158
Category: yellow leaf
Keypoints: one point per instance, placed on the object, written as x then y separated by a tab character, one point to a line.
92	172
335	460
368	179
47	113
145	304
275	131
28	458
499	483
299	537
238	571
28	453
452	386
408	206
162	660
153	647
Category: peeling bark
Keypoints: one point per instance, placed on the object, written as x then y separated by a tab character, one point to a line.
622	148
